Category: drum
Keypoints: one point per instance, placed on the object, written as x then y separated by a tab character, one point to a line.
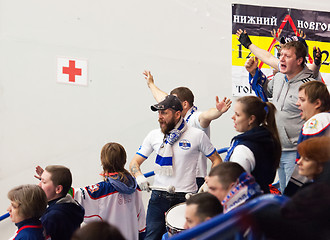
175	218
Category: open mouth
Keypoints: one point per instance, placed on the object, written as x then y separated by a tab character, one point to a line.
162	124
282	66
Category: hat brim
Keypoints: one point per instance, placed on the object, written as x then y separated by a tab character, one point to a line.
157	107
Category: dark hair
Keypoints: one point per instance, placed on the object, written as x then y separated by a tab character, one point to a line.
315	149
264	113
317	90
227	173
31	199
184	94
300	50
99	231
60	175
113	159
207	205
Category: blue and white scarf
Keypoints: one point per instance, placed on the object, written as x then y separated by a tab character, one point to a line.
164	157
188	115
245	189
257	82
231	149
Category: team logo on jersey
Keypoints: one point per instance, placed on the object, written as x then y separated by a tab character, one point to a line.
312	123
184	144
94	188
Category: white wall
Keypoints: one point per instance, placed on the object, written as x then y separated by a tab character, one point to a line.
183	43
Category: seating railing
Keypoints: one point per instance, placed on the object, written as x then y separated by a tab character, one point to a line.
4	216
148	174
229	225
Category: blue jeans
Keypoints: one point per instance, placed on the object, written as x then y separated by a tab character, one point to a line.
286	168
159	203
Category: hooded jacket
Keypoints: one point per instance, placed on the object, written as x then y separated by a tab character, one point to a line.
62	217
285	95
260	141
117	202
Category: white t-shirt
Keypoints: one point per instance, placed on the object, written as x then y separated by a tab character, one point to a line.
193	121
186	151
244	157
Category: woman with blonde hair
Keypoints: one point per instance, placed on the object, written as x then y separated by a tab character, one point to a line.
28	203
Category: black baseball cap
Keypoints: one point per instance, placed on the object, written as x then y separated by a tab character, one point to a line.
170	101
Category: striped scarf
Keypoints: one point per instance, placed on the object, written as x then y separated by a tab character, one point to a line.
191	112
231	149
245	189
164	157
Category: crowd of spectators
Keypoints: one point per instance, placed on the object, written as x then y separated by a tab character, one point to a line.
289	135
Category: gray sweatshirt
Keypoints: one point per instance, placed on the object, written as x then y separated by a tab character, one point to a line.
285	96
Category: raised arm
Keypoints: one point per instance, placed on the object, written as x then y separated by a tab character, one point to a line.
315	67
251	65
206	117
317	55
39	171
276	34
258	81
158	94
260	53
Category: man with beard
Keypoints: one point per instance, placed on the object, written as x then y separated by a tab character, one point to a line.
194	117
178	147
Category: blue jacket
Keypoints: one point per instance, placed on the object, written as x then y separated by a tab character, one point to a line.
29	229
62	217
261	143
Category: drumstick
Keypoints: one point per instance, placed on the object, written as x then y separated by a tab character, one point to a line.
188	195
169	189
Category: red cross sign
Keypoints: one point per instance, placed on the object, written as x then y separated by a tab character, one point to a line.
72	71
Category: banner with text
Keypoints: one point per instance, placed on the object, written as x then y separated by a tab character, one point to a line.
259	21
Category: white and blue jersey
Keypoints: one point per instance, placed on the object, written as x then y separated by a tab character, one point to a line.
113	201
186	152
192	118
316	126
